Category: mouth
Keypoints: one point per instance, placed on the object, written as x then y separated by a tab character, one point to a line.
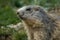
21	17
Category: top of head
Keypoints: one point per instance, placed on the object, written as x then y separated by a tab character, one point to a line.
29	6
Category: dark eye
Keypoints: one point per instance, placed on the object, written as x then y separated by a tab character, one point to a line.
28	9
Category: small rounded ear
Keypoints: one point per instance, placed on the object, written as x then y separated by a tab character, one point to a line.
37	8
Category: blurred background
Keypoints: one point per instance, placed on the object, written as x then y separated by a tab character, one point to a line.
11	27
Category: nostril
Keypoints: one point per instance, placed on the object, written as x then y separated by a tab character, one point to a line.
17	12
20	13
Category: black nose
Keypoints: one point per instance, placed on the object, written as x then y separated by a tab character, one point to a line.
17	12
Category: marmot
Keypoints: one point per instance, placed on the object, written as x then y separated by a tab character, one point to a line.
38	24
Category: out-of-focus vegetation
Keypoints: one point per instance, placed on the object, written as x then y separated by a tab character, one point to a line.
8	15
21	35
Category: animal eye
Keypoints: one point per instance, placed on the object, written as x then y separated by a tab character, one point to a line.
28	9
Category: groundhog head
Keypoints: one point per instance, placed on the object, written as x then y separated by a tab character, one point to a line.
32	14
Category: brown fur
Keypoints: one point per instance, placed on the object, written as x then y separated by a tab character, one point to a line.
40	25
